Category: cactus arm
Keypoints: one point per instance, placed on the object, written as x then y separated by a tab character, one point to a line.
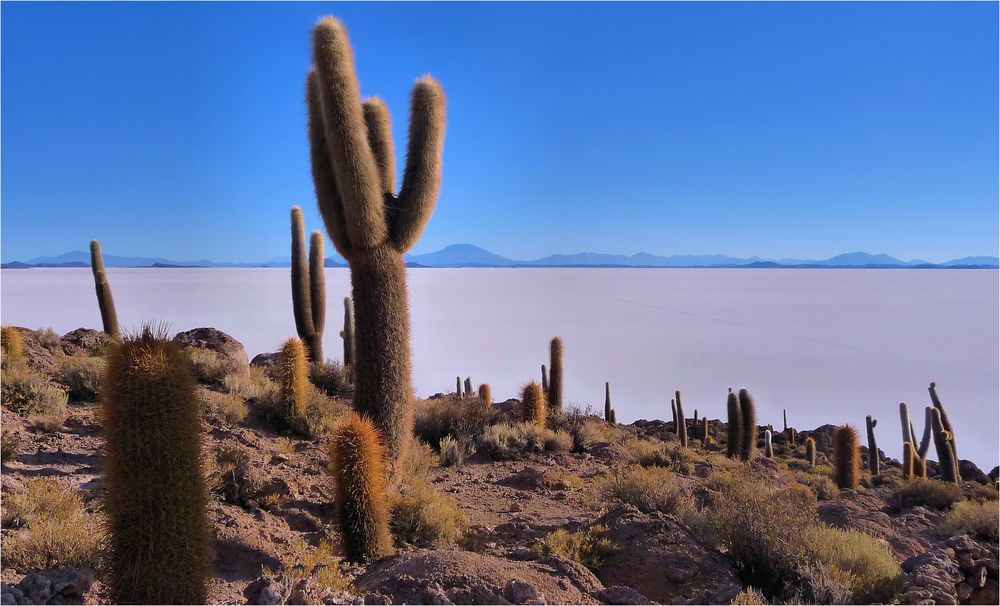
348	332
925	440
873	462
380	141
346	136
904	422
317	281
324	181
301	299
945	420
422	176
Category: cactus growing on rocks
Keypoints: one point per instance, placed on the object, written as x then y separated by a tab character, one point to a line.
945	420
705	435
308	287
846	457
534	409
791	435
545	381
486	395
768	449
811	451
109	316
907	460
555	392
372	226
358	465
873	462
944	448
749	411
607	401
348	333
13	346
681	426
909	435
734	425
156	495
292	375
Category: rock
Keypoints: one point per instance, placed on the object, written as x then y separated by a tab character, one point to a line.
620	594
265	361
519	592
266	591
995	473
971	473
537	478
931	577
38	349
661	558
55	586
212	339
83	340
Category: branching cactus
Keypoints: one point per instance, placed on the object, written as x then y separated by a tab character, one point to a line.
873	462
348	333
308	287
907	460
945	422
768	449
486	395
811	451
846	457
734	425
109	316
160	544
607	401
359	469
944	448
371	226
749	411
555	392
533	406
682	431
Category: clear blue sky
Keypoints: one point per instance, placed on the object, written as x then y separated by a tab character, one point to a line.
779	130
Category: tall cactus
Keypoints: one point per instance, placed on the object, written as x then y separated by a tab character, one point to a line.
371	226
945	449
293	380
348	333
784	419
811	451
846	457
458	387
486	395
907	460
468	387
545	381
109	316
945	421
768	449
734	425
533	406
359	468
308	287
749	411
682	430
910	435
156	496
555	393
607	401
791	435
873	462
704	432
673	413
613	420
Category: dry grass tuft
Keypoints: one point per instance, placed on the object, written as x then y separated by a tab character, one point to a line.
425	518
589	547
929	493
649	489
977	519
81	376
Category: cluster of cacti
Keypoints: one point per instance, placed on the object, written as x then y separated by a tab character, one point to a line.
944	445
358	465
308	287
734	425
534	408
109	316
486	395
292	375
949	439
768	449
156	495
910	437
681	427
846	457
348	333
873	460
811	451
354	177
748	410
555	391
13	347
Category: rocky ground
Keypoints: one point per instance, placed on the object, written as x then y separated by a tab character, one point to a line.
278	540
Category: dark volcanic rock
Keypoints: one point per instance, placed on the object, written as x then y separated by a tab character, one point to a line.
86	340
212	339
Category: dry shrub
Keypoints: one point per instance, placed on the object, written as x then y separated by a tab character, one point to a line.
588	547
975	518
821	485
413	468
50	340
56	529
648	489
425	517
504	441
318	564
451	451
750	596
464	420
322	413
581	425
864	565
238	480
331	378
81	376
25	391
929	493
209	367
247	384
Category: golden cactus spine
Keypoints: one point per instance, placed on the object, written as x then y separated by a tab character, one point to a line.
156	495
846	457
873	461
109	316
293	377
749	411
734	425
811	451
13	347
907	460
533	406
358	466
486	395
371	226
945	451
682	430
348	333
555	392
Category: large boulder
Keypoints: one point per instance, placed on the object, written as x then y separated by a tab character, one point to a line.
84	340
55	586
226	347
661	558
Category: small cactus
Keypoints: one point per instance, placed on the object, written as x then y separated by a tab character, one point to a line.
308	287
846	457
348	333
943	446
811	451
534	409
673	413
486	395
873	462
293	378
704	432
682	431
358	465
13	347
791	435
768	449
907	460
555	391
734	425
613	420
607	401
749	411
109	316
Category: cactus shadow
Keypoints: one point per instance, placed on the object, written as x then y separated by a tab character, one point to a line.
237	561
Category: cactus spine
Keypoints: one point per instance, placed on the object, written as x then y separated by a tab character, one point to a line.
308	287
734	425
486	395
945	451
555	393
749	411
109	316
545	381
768	450
533	406
359	468
945	422
873	462
811	451
371	226
907	460
607	401
846	457
156	495
293	378
348	333
682	430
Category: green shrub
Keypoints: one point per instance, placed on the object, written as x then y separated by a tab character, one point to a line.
865	565
929	493
81	376
975	518
322	413
821	484
425	518
649	489
589	547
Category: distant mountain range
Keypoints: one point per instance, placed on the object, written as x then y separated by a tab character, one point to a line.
467	255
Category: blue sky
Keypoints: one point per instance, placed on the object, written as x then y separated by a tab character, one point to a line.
779	130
